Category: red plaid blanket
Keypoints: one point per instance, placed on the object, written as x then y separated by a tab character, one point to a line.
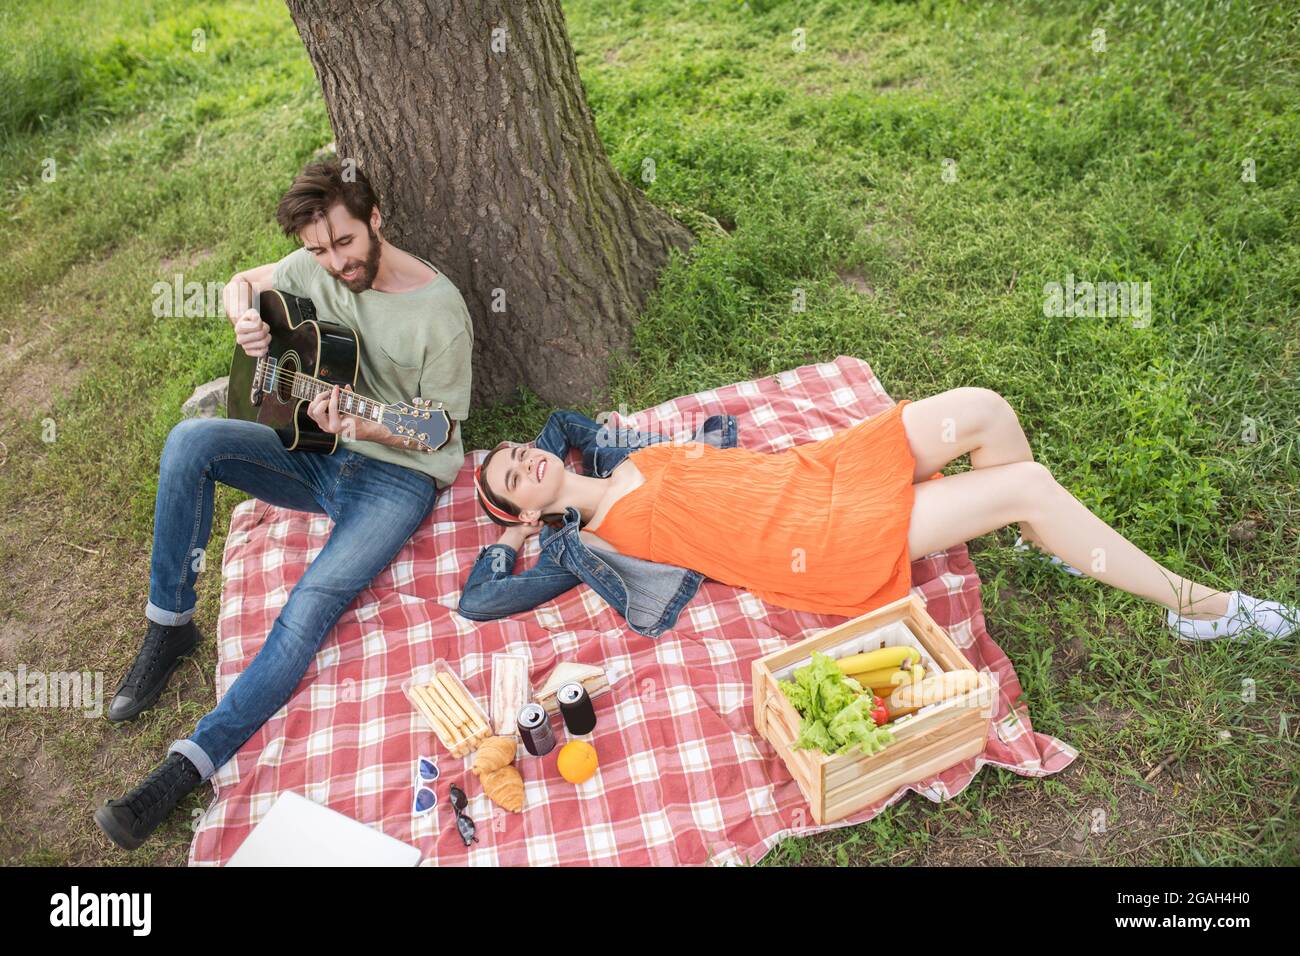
683	778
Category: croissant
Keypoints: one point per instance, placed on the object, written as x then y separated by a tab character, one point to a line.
505	788
493	754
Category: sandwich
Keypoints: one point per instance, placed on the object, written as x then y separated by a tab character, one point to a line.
590	676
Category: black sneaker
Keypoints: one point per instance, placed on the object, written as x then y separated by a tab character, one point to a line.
130	820
161	654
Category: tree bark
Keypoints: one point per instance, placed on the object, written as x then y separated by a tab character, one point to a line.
487	163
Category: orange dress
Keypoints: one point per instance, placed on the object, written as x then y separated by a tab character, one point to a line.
818	527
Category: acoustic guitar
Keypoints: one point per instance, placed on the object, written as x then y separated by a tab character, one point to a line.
308	356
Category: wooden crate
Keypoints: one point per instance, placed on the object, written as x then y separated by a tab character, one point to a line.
927	742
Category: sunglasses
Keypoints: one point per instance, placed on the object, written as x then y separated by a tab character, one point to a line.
426	772
463	823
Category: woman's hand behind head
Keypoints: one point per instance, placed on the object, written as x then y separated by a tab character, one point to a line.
516	535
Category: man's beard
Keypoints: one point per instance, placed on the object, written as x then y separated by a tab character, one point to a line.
369	268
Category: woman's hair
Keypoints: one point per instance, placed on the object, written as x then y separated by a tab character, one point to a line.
501	510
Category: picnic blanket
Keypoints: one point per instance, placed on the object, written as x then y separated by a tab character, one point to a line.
684	778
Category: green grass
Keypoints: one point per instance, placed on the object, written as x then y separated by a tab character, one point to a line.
1116	166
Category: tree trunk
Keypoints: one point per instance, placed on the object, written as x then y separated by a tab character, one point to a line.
488	165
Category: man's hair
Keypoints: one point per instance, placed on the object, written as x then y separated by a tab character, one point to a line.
317	189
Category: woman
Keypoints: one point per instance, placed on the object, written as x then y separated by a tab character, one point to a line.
832	526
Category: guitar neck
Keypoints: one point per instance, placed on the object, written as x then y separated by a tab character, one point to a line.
350	403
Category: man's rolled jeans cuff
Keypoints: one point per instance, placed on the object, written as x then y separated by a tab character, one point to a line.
195	755
166	618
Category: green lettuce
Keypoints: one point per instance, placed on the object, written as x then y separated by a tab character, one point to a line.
835	712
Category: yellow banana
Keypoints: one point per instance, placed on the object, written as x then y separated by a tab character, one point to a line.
880	678
879	659
889	676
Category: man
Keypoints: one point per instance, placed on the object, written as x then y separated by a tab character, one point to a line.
416	340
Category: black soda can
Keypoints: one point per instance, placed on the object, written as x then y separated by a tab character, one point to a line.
575	705
535	729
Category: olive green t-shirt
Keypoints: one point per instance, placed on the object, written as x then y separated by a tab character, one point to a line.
416	343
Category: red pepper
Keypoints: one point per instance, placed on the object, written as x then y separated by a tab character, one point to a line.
880	714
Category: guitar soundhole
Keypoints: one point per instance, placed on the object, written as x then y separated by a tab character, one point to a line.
284	377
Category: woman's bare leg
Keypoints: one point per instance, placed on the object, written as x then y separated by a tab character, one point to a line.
960	421
965	506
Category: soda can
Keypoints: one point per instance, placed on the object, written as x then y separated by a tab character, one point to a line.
535	729
576	706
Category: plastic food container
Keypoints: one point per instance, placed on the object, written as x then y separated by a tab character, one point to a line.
510	691
441	699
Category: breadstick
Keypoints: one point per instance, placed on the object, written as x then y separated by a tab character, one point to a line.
448	706
479	724
934	689
462	699
445	703
422	706
463	745
434	718
445	727
461	696
471	743
422	695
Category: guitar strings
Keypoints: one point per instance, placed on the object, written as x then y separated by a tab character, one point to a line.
278	373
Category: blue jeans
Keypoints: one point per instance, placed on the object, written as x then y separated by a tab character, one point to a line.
375	506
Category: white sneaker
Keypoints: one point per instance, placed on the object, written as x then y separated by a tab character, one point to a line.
1020	545
1245	614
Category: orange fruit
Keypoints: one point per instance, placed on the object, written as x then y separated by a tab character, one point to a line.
577	761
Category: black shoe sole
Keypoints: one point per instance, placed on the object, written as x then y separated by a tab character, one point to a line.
108	823
148	701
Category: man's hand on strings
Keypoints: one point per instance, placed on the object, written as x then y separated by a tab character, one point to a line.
324	411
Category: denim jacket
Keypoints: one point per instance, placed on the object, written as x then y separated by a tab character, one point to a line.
648	594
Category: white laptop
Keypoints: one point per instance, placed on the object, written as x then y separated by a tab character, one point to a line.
297	832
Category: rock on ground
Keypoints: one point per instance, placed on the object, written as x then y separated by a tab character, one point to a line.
208	399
